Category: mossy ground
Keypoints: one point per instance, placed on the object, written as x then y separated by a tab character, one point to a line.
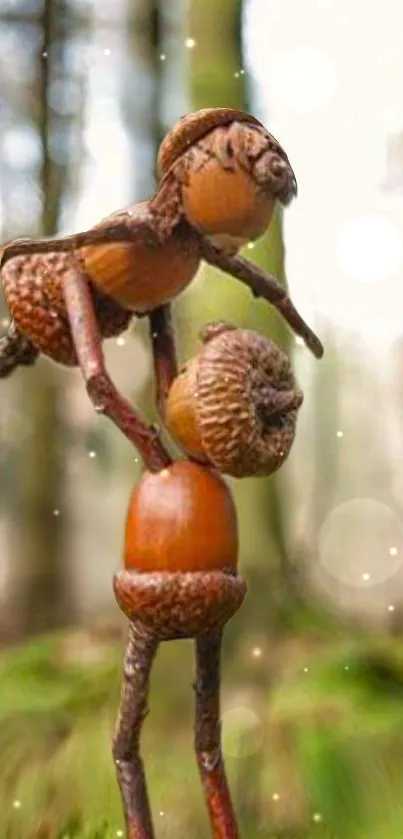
332	746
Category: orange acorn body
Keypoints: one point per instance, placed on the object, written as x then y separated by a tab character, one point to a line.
141	276
181	519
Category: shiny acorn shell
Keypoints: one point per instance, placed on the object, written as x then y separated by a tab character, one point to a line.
234	406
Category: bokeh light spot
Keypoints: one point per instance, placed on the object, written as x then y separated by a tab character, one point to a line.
355	539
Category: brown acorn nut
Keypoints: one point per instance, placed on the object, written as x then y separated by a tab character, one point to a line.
234	405
182	518
230	170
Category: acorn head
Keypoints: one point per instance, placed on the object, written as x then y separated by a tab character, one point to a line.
230	171
234	405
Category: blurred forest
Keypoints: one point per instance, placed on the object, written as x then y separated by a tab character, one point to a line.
313	668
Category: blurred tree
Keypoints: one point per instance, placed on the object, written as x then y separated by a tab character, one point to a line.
39	598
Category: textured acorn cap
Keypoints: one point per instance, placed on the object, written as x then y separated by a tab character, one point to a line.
179	604
192	127
246	401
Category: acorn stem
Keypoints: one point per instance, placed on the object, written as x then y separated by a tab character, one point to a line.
208	736
272	402
262	284
164	353
101	390
141	648
15	351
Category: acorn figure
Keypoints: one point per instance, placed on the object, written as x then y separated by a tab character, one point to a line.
234	405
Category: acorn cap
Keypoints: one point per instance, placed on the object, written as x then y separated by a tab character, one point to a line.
246	401
179	604
192	127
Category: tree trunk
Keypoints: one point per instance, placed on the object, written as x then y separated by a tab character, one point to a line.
39	597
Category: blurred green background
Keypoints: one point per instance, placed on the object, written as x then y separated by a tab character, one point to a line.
312	694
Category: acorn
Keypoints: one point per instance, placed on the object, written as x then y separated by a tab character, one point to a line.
234	405
180	552
230	172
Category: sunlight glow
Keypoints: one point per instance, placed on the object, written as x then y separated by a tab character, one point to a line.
369	249
302	79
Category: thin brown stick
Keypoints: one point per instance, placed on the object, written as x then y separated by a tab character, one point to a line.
123	228
208	736
102	392
263	284
164	353
141	648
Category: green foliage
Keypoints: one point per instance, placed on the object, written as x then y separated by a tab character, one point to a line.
332	745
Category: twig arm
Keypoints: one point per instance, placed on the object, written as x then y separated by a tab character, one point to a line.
123	228
263	284
102	392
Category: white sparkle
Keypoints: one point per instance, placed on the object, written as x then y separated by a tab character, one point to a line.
339	433
162	57
119	833
250	245
92	454
16	805
56	512
316	817
120	341
236	75
44	54
5	322
305	669
391	608
107	51
275	796
161	813
366	576
299	341
190	43
257	652
164	473
393	551
347	667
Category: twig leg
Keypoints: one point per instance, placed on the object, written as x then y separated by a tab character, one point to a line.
164	353
208	737
106	399
140	652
